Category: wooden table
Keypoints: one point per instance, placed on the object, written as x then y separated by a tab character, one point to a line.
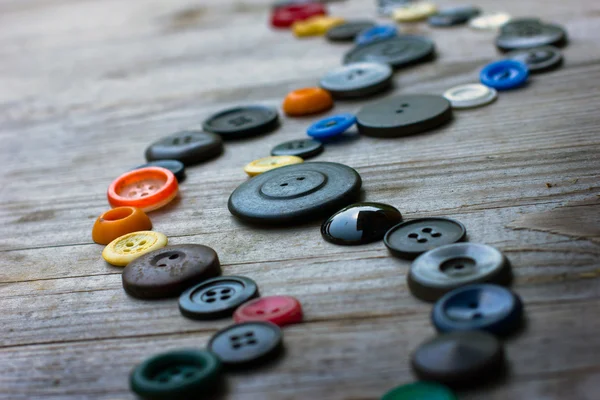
87	85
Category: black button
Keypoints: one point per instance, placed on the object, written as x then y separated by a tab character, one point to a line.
525	34
247	343
169	271
357	80
176	167
538	59
451	16
360	223
242	122
295	193
217	297
347	31
303	148
403	115
412	238
189	147
397	51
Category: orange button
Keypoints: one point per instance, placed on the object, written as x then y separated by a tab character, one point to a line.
307	101
119	221
147	188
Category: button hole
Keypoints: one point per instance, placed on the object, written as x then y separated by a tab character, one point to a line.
422	240
473	305
300	179
436	234
413	235
173	256
426	230
251	341
283	184
477	315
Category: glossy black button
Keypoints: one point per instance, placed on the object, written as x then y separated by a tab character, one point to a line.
217	297
459	358
538	59
295	193
240	122
347	31
303	148
484	307
451	16
445	268
189	147
360	223
524	34
399	51
412	238
357	80
247	343
169	271
176	167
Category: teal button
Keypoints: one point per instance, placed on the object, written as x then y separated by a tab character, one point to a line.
420	391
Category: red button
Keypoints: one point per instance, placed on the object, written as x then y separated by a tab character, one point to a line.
284	17
280	310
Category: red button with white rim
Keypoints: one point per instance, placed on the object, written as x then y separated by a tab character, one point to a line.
280	310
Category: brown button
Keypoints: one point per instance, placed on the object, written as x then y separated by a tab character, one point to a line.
169	271
459	358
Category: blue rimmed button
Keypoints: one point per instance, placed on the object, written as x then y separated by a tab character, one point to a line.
485	307
376	33
331	126
504	74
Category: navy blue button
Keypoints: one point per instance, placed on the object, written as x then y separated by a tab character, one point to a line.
376	33
504	74
331	126
484	307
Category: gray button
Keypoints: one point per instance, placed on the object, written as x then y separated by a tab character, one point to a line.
357	80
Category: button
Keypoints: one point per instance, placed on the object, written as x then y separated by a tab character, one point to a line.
265	164
413	12
360	223
118	222
307	101
127	248
146	188
175	166
539	59
189	147
398	51
470	95
217	297
285	16
303	148
526	34
412	238
347	31
247	343
295	193
517	24
169	271
451	16
420	391
375	33
403	115
489	21
485	307
459	358
386	7
359	79
504	74
279	310
330	127
242	122
445	268
315	26
176	375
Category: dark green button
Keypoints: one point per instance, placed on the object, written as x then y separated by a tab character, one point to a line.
420	391
176	375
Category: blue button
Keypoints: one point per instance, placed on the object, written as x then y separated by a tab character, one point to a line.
376	33
485	307
504	74
331	126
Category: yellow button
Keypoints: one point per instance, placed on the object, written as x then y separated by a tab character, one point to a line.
127	248
491	21
261	165
316	25
414	12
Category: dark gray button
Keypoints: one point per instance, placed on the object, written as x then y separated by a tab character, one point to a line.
445	268
538	59
412	238
357	80
189	147
303	148
450	16
397	51
525	35
347	31
247	343
403	115
176	167
295	193
242	122
517	24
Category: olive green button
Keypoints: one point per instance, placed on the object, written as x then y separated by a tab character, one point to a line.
420	391
176	375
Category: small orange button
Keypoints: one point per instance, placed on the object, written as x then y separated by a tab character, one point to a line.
119	221
147	188
307	101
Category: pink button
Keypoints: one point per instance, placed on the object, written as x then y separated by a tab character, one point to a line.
280	310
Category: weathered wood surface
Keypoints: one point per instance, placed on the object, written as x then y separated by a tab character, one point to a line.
86	85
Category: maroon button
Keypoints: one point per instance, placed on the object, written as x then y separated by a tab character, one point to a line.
280	310
284	17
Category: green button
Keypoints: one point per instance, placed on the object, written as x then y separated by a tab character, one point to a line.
176	375
420	391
